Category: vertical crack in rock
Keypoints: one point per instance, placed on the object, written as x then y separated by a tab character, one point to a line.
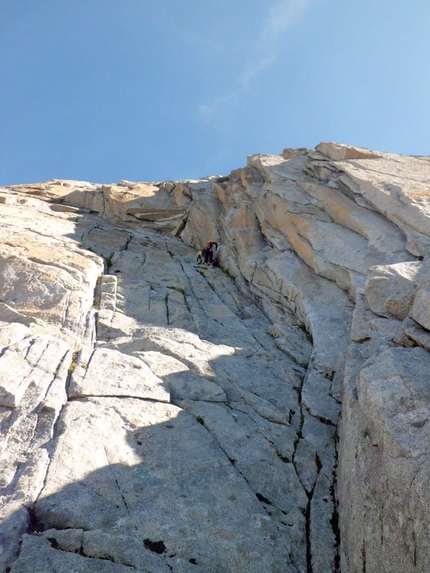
72	366
308	492
363	558
166	301
309	559
34	525
335	517
58	375
96	307
122	496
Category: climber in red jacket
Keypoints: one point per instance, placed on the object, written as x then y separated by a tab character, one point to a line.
209	248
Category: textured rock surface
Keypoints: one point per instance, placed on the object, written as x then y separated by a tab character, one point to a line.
157	415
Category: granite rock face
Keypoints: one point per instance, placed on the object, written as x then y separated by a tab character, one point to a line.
269	414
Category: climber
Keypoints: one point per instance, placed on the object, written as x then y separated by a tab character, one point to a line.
209	247
200	256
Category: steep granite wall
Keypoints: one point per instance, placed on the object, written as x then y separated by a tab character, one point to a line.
159	415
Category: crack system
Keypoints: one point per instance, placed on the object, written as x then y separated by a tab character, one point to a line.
158	546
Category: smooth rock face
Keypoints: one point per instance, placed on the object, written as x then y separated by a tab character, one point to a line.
421	308
388	455
111	373
111	476
159	415
391	289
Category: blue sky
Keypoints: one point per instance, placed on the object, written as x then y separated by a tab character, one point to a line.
152	90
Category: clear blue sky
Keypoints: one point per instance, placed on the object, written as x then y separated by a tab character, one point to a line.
151	90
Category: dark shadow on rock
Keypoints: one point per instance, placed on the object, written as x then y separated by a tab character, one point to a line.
174	503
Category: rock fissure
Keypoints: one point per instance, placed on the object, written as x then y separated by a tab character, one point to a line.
57	375
112	396
335	518
99	559
308	513
166	301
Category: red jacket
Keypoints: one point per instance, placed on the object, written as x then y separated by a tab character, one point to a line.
210	244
